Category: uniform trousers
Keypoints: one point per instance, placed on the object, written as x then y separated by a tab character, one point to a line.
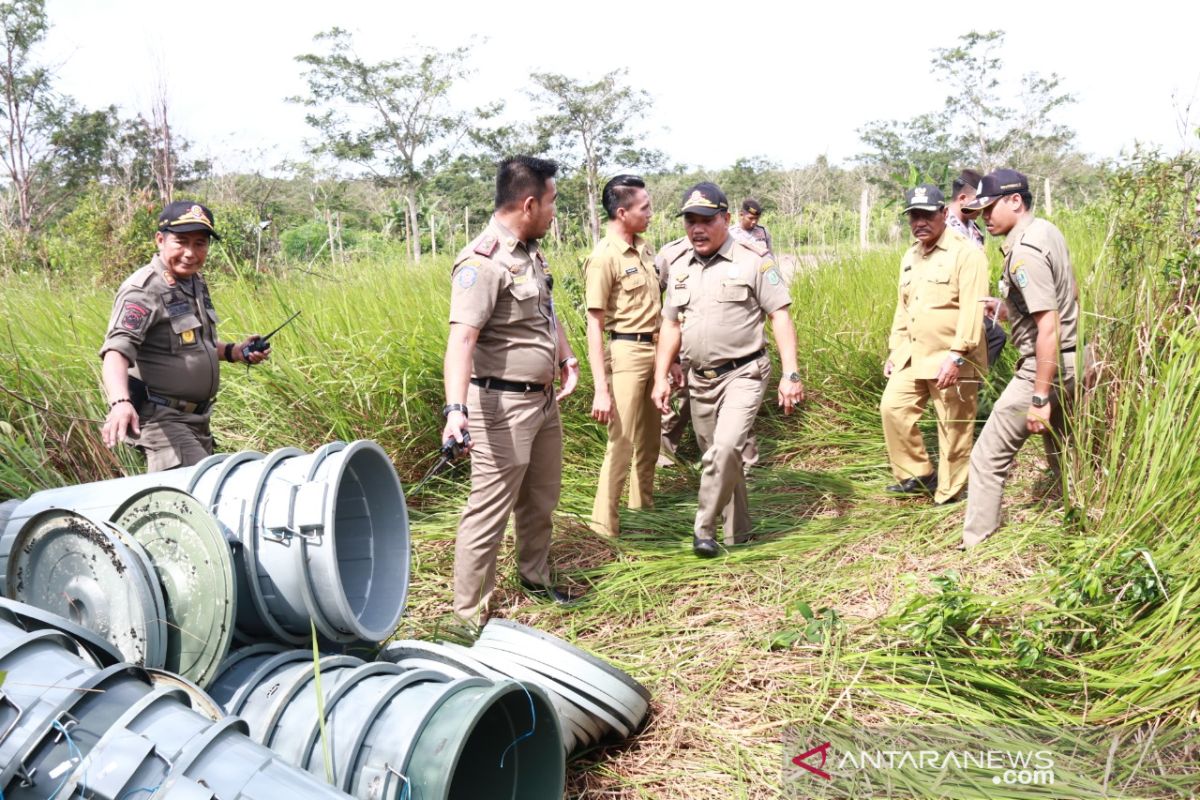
633	434
723	411
516	468
675	423
903	402
1003	435
170	438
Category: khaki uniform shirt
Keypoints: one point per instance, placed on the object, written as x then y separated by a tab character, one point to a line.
621	280
939	307
720	302
756	234
167	330
501	286
1038	276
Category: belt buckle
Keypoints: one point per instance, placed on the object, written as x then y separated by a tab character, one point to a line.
654	338
709	373
188	407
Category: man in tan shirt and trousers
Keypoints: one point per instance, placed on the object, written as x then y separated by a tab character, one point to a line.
937	351
505	346
719	291
622	293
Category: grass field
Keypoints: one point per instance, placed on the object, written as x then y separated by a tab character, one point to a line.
848	607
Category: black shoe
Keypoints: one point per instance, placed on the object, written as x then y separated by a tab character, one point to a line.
705	548
924	485
549	593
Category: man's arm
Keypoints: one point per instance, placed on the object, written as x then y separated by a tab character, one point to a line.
122	417
456	372
899	330
568	363
791	393
669	338
1045	351
968	327
602	399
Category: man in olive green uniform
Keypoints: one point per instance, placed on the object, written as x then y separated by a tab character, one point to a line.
936	351
718	293
622	294
161	351
1042	301
505	346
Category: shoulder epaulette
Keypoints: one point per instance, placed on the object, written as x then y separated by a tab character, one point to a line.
1032	246
487	245
140	278
756	247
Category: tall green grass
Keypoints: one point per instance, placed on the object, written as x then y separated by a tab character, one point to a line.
1080	612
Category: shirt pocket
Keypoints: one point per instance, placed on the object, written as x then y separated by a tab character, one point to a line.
523	302
940	290
186	330
734	292
632	282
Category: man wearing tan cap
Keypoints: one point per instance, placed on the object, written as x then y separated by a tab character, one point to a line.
1042	299
160	357
719	291
936	351
622	291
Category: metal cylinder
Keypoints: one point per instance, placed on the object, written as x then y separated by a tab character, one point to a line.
319	538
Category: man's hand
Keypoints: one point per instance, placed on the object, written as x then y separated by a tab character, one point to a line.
602	405
677	377
995	309
660	395
252	357
569	378
887	368
122	418
1037	420
456	426
947	373
791	394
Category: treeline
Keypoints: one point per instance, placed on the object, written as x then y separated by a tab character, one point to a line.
395	167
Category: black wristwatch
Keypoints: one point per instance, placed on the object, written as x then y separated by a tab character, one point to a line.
449	407
794	377
1040	400
958	359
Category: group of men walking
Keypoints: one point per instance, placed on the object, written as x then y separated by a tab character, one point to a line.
689	317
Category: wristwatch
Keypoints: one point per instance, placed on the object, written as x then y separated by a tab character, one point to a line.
1040	400
794	377
958	359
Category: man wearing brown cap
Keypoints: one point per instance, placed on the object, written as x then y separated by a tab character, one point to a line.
160	354
747	228
1042	299
622	290
505	347
718	293
936	351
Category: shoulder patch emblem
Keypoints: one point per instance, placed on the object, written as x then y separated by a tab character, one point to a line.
769	263
134	316
487	245
1021	278
773	276
466	277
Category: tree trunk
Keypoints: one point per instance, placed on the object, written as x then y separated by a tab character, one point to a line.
466	225
1049	199
864	220
414	229
432	234
593	218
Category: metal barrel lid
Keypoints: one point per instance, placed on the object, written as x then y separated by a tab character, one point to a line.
610	695
68	564
199	700
602	720
193	564
158	659
32	618
579	652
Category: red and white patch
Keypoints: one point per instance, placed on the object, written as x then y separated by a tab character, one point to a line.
134	316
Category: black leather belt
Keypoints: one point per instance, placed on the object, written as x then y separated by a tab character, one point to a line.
1070	349
508	386
730	366
186	406
644	338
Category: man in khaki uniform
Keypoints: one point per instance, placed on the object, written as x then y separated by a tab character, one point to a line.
505	346
936	350
1042	300
161	351
622	294
718	292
